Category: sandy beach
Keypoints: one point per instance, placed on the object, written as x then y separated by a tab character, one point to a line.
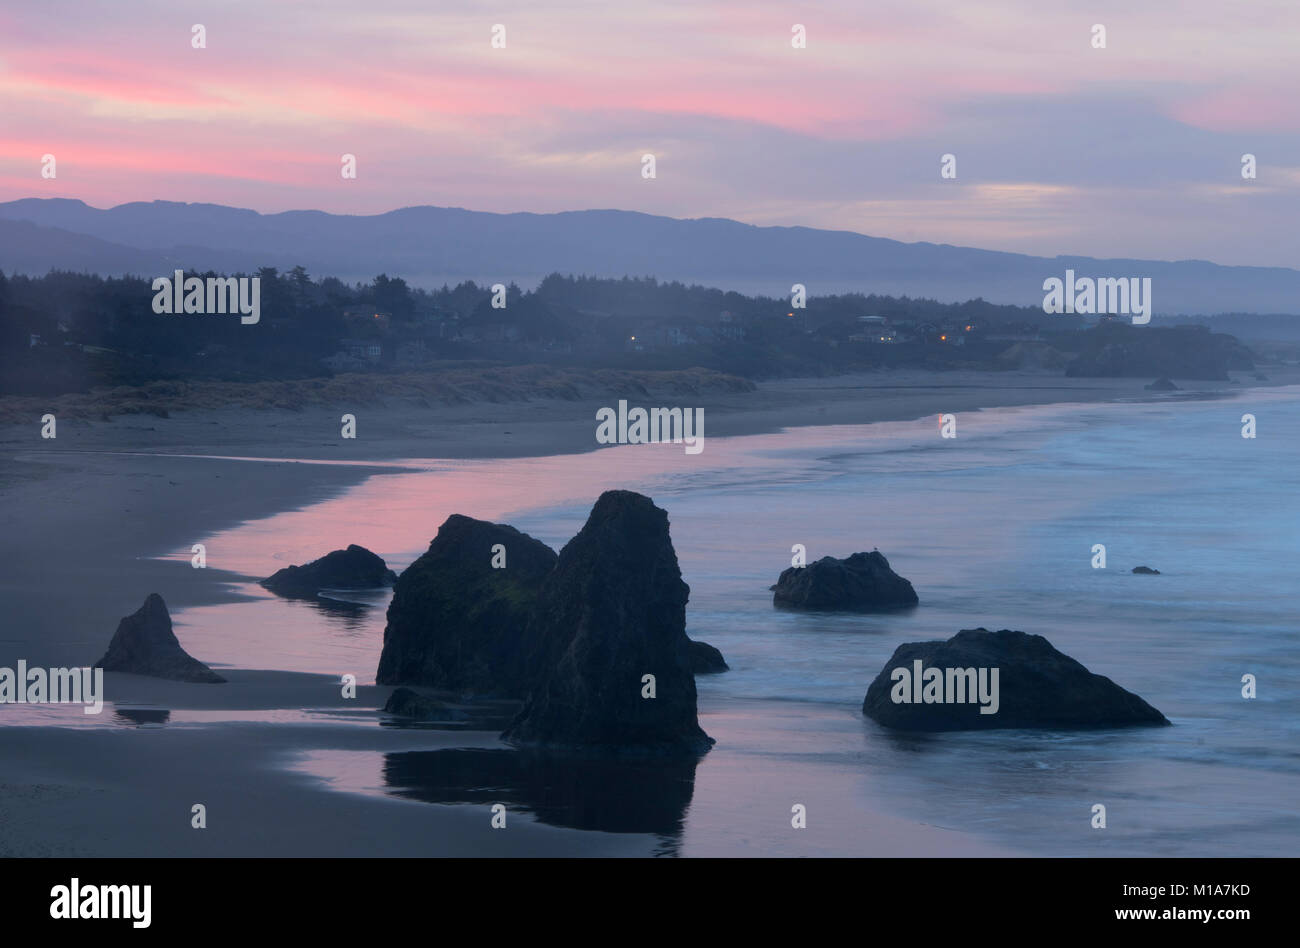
86	516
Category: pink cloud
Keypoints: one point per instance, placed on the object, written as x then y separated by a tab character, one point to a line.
261	116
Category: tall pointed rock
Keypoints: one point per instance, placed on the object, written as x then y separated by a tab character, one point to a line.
145	644
611	613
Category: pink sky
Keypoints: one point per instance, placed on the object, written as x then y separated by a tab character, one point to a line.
1132	150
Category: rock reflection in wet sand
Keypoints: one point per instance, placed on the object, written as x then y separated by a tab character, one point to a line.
612	795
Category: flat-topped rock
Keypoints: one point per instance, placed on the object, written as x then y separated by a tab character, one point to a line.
982	680
863	582
145	644
353	568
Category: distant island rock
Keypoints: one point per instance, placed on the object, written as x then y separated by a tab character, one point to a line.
705	659
145	644
1037	687
1162	385
613	612
862	583
1146	571
457	622
353	568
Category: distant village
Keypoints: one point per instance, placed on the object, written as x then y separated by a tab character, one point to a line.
546	326
70	332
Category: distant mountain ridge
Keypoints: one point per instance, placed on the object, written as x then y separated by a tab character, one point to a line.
431	245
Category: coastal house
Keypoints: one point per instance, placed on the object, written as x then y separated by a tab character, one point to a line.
434	318
357	317
449	326
931	333
355	354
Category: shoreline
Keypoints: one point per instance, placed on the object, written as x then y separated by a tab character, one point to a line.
80	517
541	427
97	506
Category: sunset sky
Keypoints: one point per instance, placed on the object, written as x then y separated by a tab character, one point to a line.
1133	150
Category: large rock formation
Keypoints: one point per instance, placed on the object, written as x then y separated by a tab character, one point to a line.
862	583
613	612
1035	686
353	568
145	644
457	622
1146	571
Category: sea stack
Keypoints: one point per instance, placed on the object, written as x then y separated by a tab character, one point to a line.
980	680
862	583
617	675
353	568
145	644
459	614
705	659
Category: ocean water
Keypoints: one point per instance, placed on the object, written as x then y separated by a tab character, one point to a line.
994	528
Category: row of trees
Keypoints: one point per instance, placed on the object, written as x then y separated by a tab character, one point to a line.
68	331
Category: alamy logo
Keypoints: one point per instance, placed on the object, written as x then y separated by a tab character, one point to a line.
53	686
1107	295
658	425
180	294
919	685
103	901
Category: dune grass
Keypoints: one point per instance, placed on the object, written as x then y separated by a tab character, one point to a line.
426	387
